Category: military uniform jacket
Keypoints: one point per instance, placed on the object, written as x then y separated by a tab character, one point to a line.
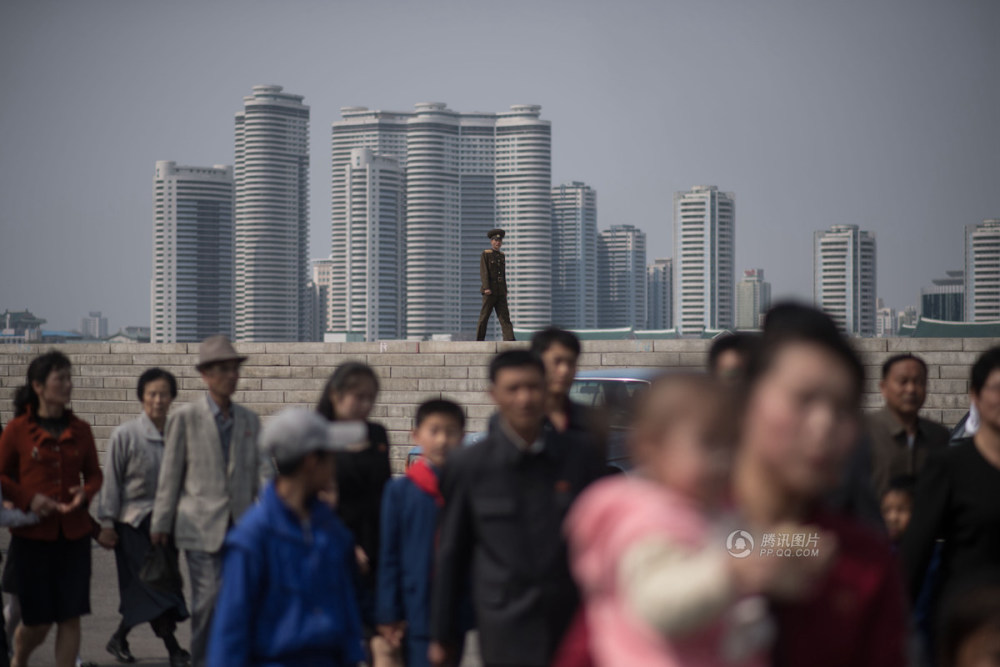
493	272
501	526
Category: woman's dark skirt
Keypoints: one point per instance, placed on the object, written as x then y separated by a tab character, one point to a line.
140	603
50	578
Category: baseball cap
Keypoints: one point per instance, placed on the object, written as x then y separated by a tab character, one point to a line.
295	432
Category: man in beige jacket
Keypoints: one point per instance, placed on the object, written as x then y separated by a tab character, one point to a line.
209	477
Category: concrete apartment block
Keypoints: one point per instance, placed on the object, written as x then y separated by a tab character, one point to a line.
278	375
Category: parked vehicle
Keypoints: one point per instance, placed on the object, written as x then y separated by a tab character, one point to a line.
611	392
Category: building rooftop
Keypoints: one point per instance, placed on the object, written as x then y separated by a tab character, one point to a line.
928	328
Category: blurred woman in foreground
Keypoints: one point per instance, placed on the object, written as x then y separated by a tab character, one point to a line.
801	418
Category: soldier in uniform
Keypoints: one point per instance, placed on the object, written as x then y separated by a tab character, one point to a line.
493	273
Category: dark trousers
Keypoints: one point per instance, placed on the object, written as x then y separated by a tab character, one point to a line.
493	302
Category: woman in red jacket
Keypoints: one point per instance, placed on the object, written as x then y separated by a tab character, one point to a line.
800	422
48	465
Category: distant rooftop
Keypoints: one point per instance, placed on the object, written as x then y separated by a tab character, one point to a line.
928	328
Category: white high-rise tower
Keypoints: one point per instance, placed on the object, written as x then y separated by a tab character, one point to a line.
844	277
982	272
704	258
369	301
574	256
272	217
193	269
524	210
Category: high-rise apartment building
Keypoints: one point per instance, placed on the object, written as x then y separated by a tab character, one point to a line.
192	291
753	298
524	209
621	265
95	325
367	267
660	294
463	174
322	277
886	320
574	256
844	277
704	259
945	300
982	271
272	217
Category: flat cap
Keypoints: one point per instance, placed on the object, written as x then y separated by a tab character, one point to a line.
496	232
295	432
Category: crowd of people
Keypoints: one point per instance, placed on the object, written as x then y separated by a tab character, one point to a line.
764	521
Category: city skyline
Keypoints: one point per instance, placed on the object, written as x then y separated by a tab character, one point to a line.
811	130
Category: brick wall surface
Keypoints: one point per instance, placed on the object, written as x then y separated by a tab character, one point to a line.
278	375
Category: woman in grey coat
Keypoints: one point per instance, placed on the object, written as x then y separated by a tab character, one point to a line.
131	470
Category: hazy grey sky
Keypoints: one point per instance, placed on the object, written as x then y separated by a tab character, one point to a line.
814	112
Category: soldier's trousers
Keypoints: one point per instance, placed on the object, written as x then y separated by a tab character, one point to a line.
499	303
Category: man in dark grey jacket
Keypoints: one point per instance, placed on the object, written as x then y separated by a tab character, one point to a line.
501	526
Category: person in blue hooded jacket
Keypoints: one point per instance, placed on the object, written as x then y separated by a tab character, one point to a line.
288	592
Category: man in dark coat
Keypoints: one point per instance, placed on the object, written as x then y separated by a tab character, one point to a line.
505	500
493	276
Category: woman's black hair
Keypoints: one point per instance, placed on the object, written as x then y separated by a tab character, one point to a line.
345	378
788	323
987	362
38	371
154	374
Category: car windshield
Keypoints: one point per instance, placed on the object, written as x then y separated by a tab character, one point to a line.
614	396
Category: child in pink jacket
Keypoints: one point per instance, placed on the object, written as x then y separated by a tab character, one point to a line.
651	552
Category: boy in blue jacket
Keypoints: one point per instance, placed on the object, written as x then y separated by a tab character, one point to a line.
287	595
410	507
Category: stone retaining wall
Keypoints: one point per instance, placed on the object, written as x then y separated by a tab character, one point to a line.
278	375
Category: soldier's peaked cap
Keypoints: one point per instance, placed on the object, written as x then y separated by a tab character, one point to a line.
496	232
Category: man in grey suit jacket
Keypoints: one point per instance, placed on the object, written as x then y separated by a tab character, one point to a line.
209	477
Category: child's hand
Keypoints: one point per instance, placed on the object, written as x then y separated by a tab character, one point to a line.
364	563
329	497
108	538
393	633
440	655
